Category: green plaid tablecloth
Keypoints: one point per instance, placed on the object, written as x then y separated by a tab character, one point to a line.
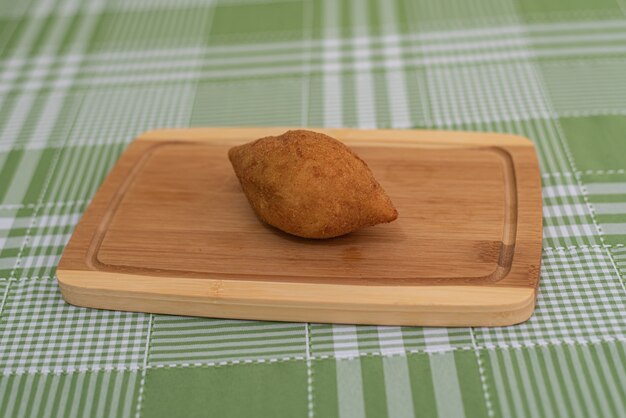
80	79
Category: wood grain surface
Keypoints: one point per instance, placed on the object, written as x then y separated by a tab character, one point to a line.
170	231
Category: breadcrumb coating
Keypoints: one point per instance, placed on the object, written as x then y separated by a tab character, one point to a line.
310	185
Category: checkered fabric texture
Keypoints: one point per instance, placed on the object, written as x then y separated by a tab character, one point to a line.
80	79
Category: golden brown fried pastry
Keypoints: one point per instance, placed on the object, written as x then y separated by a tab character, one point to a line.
310	185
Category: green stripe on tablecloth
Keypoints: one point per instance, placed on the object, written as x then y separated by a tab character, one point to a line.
177	340
477	401
12	162
37	174
596	142
374	387
559	381
422	386
545	402
29	176
325	389
98	394
260	390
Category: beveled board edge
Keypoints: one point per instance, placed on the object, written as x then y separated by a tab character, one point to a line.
276	301
489	305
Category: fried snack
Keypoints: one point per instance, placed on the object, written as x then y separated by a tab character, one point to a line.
310	185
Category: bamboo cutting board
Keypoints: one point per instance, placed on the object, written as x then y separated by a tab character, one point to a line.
170	231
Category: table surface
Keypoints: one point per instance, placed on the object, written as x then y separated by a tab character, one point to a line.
79	80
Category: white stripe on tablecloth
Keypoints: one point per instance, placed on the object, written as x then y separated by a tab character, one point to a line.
436	339
490	35
333	95
115	400
446	384
52	391
79	385
350	389
364	80
610	208
551	386
91	392
398	387
569	395
49	240
396	372
592	380
26	396
7	223
555	211
395	76
30	261
29	162
577	230
329	67
63	397
613	390
128	397
585	401
614	228
518	402
349	378
36	402
529	397
103	396
385	47
606	188
14	396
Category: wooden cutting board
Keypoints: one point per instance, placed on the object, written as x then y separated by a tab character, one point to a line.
170	231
